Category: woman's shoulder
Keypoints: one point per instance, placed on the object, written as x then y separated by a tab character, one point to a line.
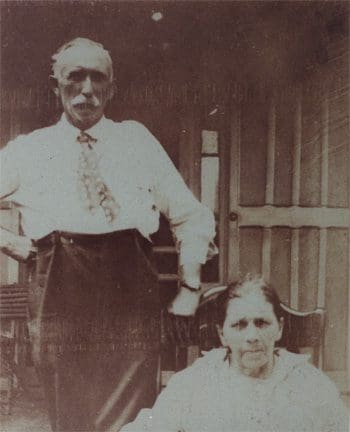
305	377
310	388
205	366
210	360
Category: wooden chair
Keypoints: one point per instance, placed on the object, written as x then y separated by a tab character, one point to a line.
13	341
302	333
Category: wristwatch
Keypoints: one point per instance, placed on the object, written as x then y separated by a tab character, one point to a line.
32	252
194	289
31	255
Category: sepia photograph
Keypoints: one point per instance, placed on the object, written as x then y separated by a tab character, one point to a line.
174	216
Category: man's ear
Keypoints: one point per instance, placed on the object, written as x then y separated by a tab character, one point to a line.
221	335
112	90
54	85
280	331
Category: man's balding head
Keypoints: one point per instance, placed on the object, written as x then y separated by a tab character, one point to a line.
79	47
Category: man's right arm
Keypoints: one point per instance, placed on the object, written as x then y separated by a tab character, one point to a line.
15	246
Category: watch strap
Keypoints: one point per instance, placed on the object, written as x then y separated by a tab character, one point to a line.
185	285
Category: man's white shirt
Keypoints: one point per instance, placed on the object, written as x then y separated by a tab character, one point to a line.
39	173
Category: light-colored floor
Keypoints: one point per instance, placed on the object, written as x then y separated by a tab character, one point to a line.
30	415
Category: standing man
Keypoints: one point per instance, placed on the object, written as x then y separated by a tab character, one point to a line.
90	192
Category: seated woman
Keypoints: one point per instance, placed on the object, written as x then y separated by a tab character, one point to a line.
248	385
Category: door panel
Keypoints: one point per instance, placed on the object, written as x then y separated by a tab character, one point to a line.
253	136
311	148
283	157
337	299
281	258
251	241
338	191
308	268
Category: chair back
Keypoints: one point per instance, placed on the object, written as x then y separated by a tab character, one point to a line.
302	333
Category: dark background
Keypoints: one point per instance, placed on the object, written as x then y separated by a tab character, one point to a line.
257	42
200	53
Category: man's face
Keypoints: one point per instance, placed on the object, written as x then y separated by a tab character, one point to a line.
84	85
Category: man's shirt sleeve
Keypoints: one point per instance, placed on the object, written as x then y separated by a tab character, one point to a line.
9	169
192	223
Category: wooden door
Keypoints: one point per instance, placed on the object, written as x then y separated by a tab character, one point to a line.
289	206
275	169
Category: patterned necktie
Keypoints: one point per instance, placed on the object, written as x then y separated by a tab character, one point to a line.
93	190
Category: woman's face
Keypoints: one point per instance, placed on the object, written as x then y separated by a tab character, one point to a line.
250	331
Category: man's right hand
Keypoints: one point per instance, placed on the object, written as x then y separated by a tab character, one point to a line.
15	246
185	303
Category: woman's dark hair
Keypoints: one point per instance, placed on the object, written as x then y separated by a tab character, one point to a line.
237	289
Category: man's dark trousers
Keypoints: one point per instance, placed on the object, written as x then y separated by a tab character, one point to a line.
95	327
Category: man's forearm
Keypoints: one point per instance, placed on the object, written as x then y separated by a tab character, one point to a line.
190	274
187	299
15	246
5	239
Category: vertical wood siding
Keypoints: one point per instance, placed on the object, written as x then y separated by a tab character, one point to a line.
293	198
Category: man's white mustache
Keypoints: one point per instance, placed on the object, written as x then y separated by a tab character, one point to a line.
93	101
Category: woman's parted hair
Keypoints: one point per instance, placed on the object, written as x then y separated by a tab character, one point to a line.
243	287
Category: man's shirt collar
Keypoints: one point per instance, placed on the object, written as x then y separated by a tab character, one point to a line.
97	131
